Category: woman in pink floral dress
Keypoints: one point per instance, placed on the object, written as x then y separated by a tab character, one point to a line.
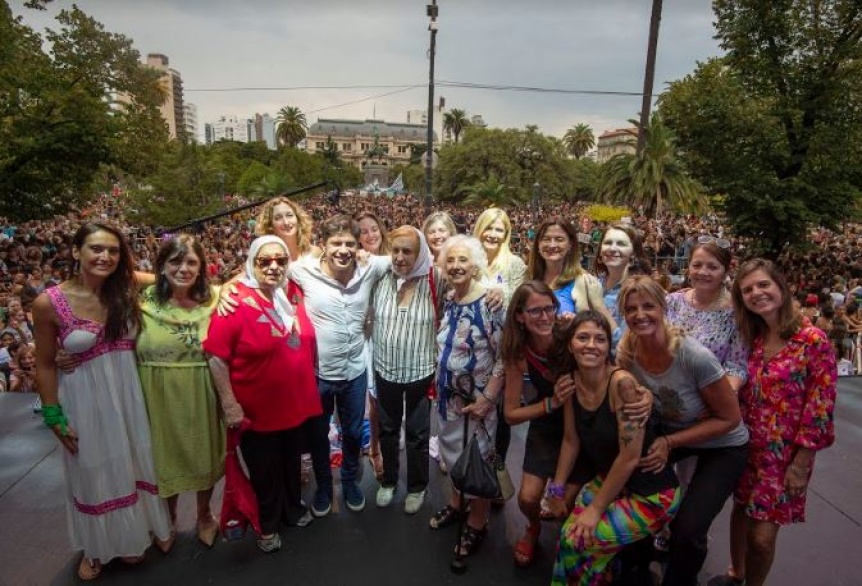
787	405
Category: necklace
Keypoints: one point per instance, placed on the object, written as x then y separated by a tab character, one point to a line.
714	304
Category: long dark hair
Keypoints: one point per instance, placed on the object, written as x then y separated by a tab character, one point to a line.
514	333
119	293
178	247
750	324
560	357
572	261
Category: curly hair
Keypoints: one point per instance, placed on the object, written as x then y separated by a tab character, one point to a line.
263	225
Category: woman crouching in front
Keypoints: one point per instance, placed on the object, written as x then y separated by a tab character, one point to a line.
623	503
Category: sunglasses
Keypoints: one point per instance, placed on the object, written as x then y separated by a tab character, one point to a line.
535	312
265	261
720	242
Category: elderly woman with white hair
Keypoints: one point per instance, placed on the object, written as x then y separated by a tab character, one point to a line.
262	360
470	373
405	306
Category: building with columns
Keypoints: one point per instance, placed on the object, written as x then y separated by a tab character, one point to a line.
354	138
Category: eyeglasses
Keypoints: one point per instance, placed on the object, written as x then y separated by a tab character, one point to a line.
534	312
265	261
720	242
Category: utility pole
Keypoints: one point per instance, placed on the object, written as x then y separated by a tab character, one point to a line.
649	74
431	11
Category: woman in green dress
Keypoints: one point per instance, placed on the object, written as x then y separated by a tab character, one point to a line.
188	438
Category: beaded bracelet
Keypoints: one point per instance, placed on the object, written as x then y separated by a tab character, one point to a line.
53	415
555	491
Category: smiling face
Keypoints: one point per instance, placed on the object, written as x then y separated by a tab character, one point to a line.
340	252
285	224
270	266
705	271
538	315
369	235
181	271
493	236
404	255
460	269
554	245
616	248
437	234
589	345
99	255
644	315
761	294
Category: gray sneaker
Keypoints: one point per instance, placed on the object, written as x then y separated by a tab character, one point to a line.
269	544
413	502
384	495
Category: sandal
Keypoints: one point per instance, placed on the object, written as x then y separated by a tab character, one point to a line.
525	548
471	539
207	530
444	517
89	569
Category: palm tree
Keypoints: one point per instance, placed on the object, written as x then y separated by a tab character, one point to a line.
490	193
455	121
579	139
273	183
292	126
654	179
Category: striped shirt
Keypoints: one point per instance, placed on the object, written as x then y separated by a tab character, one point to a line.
405	348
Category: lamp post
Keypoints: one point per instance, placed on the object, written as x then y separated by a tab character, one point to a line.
431	11
536	201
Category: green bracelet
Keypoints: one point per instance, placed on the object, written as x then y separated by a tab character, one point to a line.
53	415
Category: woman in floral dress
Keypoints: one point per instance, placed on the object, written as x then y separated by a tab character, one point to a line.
787	405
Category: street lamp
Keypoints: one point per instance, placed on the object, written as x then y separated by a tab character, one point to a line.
431	11
536	201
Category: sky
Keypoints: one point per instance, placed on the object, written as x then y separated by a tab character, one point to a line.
562	44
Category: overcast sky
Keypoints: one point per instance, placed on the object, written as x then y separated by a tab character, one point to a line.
568	44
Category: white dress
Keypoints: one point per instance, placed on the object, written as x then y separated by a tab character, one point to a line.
113	504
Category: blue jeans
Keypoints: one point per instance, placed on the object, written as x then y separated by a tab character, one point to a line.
348	396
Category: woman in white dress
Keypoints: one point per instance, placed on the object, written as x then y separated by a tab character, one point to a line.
97	411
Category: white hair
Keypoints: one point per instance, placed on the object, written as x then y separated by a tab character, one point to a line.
469	243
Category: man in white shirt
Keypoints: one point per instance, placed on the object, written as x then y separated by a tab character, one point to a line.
337	292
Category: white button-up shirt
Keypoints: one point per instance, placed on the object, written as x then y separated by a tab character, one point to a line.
338	314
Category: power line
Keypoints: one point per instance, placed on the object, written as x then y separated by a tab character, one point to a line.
294	88
521	88
350	103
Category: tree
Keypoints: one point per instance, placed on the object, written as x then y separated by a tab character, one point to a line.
775	126
455	121
292	126
490	193
579	140
653	179
61	119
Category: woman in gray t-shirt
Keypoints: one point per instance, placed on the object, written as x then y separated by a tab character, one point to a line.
697	411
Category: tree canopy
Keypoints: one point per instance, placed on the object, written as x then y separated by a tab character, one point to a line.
292	126
579	139
775	126
82	103
455	121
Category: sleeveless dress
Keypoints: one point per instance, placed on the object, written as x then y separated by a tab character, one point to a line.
188	438
113	501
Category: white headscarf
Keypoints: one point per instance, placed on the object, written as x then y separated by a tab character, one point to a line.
423	264
282	306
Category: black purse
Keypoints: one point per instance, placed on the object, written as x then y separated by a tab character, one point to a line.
472	474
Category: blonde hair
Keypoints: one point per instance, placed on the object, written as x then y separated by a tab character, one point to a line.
441	217
263	225
384	237
485	220
647	287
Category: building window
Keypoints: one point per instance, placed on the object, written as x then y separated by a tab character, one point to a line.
347	147
364	146
403	149
319	146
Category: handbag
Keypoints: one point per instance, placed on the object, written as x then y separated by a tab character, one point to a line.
504	480
239	504
472	474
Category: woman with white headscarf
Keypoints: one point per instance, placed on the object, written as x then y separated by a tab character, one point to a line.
262	360
405	304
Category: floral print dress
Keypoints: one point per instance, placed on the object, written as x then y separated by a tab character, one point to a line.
787	404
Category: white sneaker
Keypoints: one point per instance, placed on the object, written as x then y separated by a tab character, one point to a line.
414	502
384	495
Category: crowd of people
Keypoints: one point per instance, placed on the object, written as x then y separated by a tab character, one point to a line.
661	371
